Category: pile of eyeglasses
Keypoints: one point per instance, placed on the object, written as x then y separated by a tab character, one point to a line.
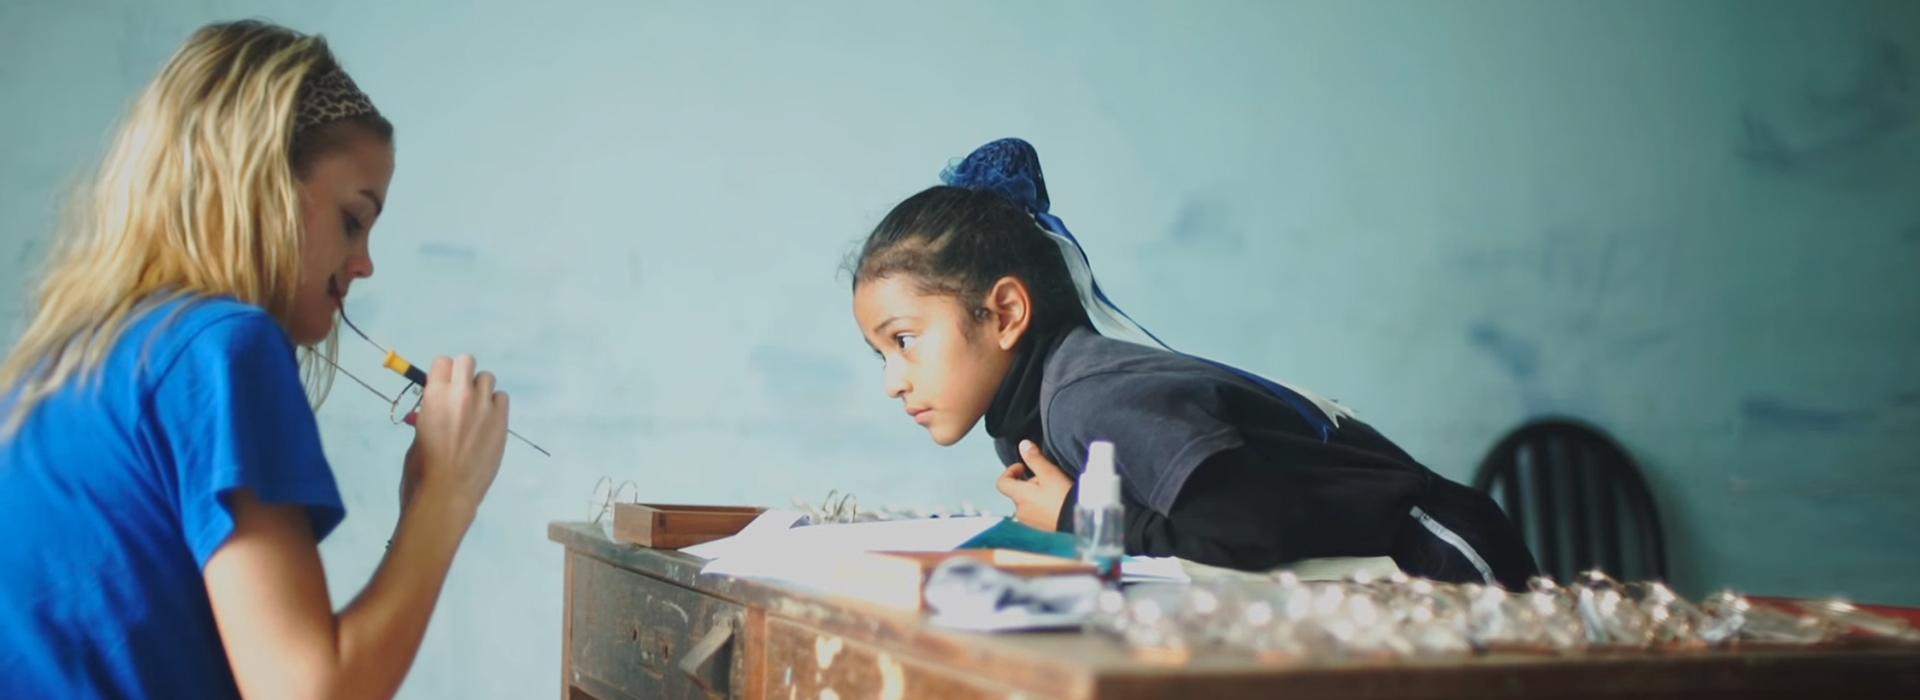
840	508
1283	618
836	508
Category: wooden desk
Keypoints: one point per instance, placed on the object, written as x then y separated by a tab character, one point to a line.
641	623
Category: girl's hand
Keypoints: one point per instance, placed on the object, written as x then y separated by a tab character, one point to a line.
1037	500
460	433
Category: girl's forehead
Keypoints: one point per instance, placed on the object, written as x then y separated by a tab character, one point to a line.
897	295
890	291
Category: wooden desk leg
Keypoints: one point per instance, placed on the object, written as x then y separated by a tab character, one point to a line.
753	643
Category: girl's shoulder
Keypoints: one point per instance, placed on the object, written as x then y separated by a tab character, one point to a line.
1097	387
1111	386
1087	361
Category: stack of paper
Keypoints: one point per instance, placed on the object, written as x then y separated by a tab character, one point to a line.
779	545
1153	570
771	547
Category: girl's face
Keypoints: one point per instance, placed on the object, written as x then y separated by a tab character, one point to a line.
942	362
342	194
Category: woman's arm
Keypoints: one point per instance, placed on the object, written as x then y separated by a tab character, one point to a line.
269	591
282	636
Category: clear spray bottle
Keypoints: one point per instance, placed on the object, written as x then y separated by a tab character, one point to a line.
1099	520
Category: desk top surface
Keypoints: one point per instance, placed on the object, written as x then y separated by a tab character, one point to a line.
1072	664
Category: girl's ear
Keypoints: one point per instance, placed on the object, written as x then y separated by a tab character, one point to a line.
1009	311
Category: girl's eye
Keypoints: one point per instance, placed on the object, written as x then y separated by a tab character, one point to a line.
353	225
904	340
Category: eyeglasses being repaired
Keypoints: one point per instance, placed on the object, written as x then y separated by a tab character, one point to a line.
416	378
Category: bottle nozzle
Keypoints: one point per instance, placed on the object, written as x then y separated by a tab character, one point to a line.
1099	482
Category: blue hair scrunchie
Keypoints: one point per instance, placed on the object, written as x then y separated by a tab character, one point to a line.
1010	167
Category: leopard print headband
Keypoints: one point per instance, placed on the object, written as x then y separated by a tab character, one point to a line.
329	96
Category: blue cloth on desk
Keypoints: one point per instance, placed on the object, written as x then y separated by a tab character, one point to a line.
1010	534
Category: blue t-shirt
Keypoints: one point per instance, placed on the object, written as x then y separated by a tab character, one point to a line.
112	500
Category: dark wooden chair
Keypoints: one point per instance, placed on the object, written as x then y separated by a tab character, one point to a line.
1578	499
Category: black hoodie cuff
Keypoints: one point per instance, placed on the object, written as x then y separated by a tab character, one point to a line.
1065	522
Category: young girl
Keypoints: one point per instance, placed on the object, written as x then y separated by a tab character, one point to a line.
982	305
162	486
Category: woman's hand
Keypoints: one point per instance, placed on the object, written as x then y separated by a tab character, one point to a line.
1036	501
459	435
410	469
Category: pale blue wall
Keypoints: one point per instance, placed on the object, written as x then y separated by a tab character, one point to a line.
1696	223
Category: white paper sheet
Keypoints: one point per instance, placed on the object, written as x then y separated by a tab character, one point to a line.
1010	620
1337	568
1153	570
789	553
769	523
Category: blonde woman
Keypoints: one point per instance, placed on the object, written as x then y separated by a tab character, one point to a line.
162	486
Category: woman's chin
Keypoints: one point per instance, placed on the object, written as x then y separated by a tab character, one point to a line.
311	332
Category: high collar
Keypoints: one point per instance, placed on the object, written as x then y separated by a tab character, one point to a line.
1015	411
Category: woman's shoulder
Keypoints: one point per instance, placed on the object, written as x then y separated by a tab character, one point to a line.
203	327
200	312
202	315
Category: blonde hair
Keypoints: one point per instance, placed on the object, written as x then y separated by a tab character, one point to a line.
198	196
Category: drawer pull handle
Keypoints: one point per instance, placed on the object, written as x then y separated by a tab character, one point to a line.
700	662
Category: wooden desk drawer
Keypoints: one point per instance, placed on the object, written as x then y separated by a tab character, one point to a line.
803	662
628	634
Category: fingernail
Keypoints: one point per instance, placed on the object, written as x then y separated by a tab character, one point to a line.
1026	445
